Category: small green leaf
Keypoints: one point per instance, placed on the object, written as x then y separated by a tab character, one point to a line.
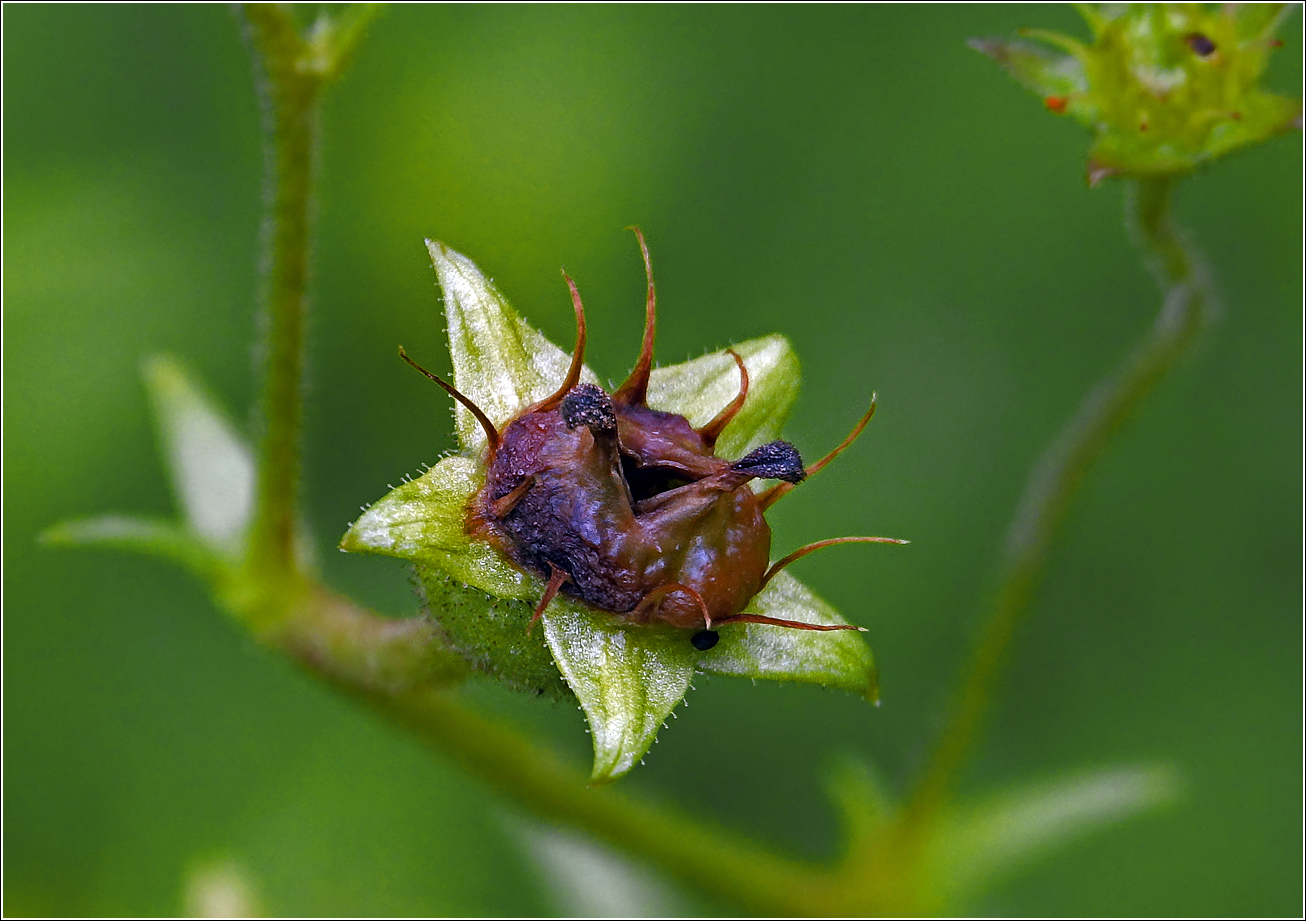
211	467
331	40
141	535
976	845
628	679
1034	67
837	658
862	798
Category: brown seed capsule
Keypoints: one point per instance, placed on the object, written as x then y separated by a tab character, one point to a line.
627	508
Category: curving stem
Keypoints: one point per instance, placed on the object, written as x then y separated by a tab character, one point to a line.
1055	480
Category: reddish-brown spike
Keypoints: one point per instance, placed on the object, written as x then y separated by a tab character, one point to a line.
550	590
803	551
635	390
491	433
712	431
577	355
647	606
501	507
777	622
771	496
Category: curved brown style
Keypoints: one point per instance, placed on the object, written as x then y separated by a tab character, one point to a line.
491	433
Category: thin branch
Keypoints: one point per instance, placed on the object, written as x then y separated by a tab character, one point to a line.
709	858
401	668
1055	480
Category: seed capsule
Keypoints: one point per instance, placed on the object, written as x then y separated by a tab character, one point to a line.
627	508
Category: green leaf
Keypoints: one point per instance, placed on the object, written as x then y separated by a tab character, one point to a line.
862	799
628	679
976	845
1034	67
837	658
212	473
211	467
141	535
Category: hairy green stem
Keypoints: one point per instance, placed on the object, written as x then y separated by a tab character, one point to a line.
359	651
706	857
290	93
1055	480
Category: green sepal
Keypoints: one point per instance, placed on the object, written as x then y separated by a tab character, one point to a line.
500	362
1034	67
627	677
150	536
837	658
697	390
424	520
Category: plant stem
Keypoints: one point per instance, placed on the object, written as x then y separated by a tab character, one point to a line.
290	93
1055	480
402	668
359	651
709	858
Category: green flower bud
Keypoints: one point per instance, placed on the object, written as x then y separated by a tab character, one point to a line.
1164	87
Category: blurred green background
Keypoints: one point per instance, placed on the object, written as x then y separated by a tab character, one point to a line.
854	177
